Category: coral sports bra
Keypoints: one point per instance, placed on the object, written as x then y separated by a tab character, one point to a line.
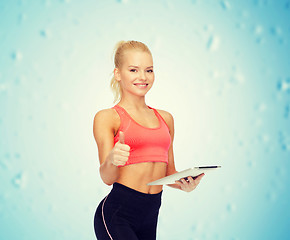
146	144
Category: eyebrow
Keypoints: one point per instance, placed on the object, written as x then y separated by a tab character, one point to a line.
138	67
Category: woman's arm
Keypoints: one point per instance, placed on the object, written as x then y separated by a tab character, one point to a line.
103	129
171	166
183	185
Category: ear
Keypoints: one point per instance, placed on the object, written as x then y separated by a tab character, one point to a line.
117	74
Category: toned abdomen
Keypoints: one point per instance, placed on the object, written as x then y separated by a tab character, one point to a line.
137	176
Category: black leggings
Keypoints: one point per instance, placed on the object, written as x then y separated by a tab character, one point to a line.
127	214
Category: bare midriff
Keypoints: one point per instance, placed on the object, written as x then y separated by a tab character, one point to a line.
137	176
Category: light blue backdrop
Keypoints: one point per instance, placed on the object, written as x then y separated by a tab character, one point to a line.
222	70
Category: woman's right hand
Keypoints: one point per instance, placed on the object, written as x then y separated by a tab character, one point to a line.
120	153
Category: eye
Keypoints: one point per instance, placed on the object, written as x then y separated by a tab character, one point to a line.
132	70
150	70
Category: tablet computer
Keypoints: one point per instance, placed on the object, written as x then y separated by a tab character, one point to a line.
193	172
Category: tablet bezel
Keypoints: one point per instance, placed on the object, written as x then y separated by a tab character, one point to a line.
195	171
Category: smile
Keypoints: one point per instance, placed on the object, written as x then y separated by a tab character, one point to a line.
141	85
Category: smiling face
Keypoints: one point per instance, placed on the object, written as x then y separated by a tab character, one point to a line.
136	74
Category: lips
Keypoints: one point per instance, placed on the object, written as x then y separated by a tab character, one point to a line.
141	85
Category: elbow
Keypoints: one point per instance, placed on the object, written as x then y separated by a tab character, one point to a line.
107	175
109	183
108	179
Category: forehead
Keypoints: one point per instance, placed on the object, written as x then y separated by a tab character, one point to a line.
137	58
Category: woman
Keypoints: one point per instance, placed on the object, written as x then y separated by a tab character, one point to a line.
135	144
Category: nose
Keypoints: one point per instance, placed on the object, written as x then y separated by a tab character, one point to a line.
142	75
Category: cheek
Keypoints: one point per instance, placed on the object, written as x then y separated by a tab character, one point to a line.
151	77
126	77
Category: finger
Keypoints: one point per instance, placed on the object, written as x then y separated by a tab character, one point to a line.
193	181
122	159
124	153
184	181
199	177
124	147
190	179
121	137
178	182
119	157
117	163
120	162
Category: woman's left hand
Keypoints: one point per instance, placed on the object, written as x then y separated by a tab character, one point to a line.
189	184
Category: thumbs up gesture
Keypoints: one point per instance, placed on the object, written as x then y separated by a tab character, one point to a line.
120	153
121	137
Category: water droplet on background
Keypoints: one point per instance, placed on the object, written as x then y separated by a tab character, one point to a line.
122	1
41	175
5	161
3	87
47	3
46	33
193	228
208	28
240	25
260	40
237	78
287	110
231	207
258	30
284	85
261	107
20	180
261	2
21	80
275	31
22	17
3	164
65	1
50	208
17	56
264	138
271	196
284	141
213	43
251	163
225	5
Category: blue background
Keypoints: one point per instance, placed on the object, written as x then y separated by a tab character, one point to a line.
222	70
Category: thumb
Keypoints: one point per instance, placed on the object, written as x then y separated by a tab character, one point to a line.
122	137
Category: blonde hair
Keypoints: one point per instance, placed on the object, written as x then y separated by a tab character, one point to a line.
119	51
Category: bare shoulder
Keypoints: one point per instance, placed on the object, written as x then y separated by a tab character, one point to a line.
106	114
165	114
168	118
106	119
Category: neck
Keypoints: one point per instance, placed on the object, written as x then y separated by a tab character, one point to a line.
133	102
